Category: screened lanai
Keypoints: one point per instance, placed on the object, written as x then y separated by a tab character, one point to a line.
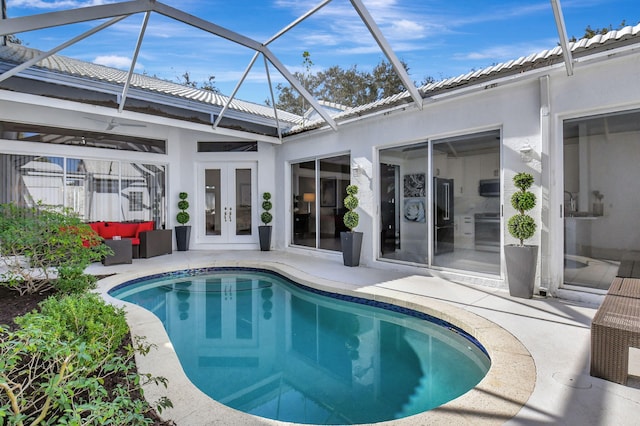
106	84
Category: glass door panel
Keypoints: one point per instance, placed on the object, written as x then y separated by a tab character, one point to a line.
601	207
403	203
466	221
335	176
303	181
243	202
212	199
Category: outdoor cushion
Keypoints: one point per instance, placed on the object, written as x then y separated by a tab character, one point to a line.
126	230
97	226
144	226
109	231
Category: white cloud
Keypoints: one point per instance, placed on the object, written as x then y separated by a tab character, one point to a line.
115	61
56	4
406	29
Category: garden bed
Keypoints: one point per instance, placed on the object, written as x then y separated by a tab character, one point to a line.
14	305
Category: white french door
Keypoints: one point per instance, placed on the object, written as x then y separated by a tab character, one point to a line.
226	205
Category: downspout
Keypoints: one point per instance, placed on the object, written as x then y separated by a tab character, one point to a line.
548	175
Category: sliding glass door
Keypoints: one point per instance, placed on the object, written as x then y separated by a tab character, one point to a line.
318	188
440	203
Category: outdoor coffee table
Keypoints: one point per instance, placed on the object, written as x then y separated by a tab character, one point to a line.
121	252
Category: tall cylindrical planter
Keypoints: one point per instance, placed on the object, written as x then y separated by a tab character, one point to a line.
183	234
521	269
264	232
351	245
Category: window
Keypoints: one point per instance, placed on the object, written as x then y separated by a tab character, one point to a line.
227	146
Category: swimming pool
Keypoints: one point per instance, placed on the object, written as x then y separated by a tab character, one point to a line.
259	343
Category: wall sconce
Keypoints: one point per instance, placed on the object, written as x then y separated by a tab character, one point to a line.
356	169
526	152
309	197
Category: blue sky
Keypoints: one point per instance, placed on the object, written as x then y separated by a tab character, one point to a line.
437	38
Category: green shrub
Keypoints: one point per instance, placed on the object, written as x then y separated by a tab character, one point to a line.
522	226
183	216
54	367
38	243
266	217
83	316
351	218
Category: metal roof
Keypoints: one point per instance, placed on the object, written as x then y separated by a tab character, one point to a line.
580	48
18	54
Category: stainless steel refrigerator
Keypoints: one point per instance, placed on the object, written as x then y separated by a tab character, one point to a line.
442	215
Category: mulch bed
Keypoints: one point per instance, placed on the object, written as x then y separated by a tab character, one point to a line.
12	305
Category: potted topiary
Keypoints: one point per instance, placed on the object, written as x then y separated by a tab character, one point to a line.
521	260
351	241
183	232
264	231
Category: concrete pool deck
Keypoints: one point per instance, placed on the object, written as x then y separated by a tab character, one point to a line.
539	347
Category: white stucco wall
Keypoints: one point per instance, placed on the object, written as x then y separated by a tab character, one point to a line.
528	114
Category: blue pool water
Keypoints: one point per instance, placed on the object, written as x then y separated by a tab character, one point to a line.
255	341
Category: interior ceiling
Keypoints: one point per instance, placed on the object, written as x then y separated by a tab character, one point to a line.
606	124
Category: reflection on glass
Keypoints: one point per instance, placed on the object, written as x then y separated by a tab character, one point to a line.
466	202
300	357
94	189
403	203
243	202
601	213
320	211
335	176
212	204
29	179
303	182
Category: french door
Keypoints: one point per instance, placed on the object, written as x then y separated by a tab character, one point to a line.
226	207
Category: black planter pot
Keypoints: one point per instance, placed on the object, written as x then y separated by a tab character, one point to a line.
183	235
351	245
264	232
521	269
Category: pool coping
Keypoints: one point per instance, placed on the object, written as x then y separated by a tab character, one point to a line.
498	397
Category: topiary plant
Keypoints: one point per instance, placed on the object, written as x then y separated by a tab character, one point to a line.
351	218
183	216
266	217
522	226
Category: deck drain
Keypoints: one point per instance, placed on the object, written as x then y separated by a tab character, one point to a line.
579	381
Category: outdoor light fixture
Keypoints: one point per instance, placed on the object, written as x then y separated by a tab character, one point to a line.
525	153
309	197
